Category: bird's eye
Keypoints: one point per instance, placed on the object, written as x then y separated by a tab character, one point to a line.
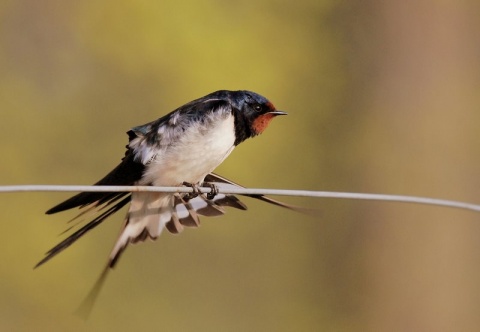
257	107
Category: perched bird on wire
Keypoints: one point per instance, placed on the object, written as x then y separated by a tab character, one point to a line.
180	148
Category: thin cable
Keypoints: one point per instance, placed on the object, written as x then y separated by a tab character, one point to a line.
246	191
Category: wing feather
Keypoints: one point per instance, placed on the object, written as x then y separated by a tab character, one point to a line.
125	174
220	181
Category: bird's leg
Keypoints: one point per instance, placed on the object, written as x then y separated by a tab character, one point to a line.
214	192
195	191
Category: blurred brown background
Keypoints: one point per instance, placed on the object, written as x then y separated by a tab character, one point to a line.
382	97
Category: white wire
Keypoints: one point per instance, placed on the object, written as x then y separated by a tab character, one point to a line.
245	191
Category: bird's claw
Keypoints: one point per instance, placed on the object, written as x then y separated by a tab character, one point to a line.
213	192
195	190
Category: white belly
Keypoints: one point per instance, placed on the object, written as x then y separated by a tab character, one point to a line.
197	152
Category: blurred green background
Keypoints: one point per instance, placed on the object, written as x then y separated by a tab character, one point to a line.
382	97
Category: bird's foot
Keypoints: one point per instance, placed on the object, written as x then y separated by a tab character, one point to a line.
195	191
214	192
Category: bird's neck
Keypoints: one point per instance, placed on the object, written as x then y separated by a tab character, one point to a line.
242	127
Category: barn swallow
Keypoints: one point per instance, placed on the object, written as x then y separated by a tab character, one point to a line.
182	147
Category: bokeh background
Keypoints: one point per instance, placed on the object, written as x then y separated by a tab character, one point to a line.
383	97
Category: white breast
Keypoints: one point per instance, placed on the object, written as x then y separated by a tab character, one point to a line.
197	152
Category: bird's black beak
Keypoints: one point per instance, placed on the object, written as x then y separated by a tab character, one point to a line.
278	113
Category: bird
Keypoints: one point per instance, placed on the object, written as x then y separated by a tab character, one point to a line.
182	147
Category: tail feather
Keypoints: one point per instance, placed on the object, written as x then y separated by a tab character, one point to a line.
192	219
79	233
185	214
174	226
146	218
148	215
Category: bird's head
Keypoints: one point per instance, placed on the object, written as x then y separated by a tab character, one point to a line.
253	113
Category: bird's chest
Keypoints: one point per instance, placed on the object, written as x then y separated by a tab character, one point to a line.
196	152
